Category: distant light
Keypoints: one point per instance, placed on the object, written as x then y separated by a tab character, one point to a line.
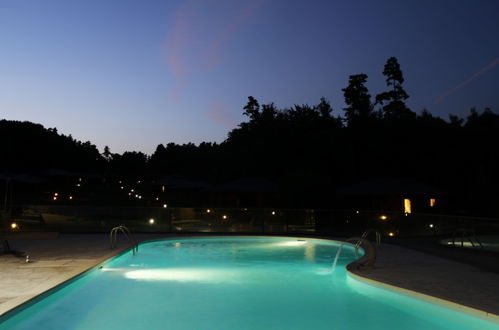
136	196
407	214
14	226
122	187
78	185
225	217
357	212
79	179
431	225
56	194
391	234
157	198
55	198
119	182
151	221
433	201
163	188
138	181
165	206
131	190
140	197
70	197
273	212
208	211
129	194
383	217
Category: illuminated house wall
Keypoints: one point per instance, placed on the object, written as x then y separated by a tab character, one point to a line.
407	205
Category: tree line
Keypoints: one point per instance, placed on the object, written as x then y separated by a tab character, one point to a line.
307	149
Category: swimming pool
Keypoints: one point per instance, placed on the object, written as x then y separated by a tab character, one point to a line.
231	283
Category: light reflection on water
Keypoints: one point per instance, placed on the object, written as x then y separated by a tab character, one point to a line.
228	283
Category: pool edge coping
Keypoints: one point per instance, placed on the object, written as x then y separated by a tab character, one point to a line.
11	305
456	307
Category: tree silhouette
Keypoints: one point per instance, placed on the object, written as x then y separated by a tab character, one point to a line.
392	101
304	148
358	99
252	108
107	154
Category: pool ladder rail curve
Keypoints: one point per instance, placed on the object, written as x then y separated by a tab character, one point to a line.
126	232
369	259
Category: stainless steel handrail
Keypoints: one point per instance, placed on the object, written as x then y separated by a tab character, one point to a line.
126	232
364	236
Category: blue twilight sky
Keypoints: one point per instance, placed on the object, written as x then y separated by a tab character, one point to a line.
132	74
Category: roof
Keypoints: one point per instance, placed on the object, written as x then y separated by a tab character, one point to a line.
21	177
389	187
179	182
246	185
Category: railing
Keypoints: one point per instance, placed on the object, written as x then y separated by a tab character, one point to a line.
369	258
366	233
124	230
344	223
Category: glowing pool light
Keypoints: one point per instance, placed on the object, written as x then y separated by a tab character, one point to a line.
185	275
228	283
291	243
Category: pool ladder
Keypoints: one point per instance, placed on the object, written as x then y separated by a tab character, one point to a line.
466	234
369	258
126	232
364	236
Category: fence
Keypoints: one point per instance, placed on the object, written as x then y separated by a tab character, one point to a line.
240	220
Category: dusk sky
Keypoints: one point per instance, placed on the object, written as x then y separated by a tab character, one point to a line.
132	74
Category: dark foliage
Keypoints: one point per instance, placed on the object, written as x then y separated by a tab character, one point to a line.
30	147
306	149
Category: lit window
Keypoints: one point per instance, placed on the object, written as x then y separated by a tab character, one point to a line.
433	201
407	205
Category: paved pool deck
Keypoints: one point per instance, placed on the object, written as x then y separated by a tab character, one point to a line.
54	261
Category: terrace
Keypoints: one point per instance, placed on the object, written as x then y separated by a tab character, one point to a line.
465	277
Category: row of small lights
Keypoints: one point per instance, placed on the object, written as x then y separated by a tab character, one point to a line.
224	216
56	197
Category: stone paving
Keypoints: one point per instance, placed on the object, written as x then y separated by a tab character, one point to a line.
442	278
56	260
52	262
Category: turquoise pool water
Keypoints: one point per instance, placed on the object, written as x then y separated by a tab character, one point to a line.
232	283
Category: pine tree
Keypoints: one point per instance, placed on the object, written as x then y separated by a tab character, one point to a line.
392	101
358	99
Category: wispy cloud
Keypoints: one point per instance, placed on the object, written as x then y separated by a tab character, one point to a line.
220	115
442	97
200	28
